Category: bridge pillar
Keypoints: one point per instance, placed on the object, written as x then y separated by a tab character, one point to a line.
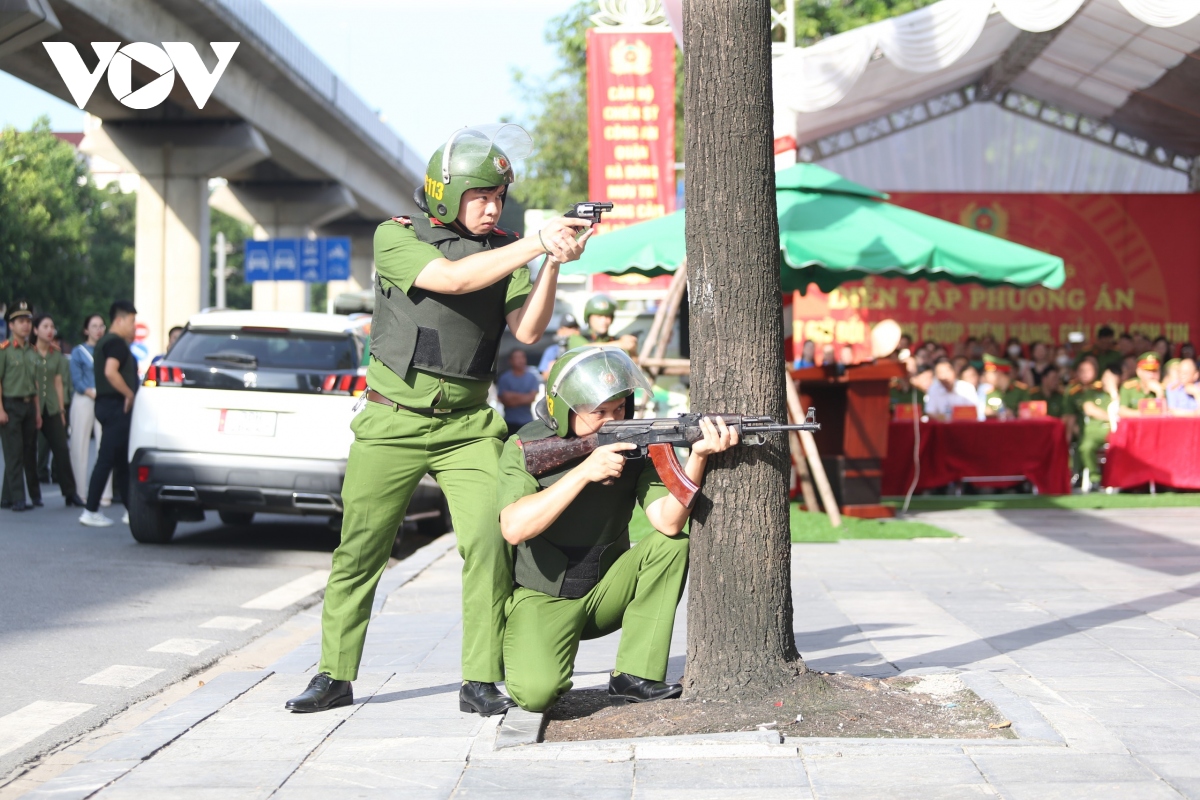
283	210
175	161
362	256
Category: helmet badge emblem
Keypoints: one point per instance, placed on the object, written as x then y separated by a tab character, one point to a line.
501	163
608	378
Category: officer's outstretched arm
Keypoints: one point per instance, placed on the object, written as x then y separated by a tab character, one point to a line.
668	515
533	514
481	270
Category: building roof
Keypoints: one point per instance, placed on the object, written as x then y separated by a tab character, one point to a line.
1103	73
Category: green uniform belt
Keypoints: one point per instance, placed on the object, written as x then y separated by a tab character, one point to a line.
376	397
28	399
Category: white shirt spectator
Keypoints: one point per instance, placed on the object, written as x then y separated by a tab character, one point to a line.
940	402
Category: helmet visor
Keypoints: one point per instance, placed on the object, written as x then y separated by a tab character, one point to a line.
596	376
470	147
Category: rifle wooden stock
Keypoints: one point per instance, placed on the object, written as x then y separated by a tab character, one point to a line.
543	455
672	475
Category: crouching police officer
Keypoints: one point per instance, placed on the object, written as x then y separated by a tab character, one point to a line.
577	577
447	283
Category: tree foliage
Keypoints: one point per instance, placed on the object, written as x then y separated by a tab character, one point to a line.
816	19
66	245
557	173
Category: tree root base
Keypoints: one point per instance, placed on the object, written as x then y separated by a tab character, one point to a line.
815	704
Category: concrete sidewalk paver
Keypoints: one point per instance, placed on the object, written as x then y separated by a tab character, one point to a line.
1083	624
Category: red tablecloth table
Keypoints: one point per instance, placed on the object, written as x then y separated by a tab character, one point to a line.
1165	450
951	451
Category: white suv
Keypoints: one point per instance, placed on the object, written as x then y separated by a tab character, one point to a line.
250	412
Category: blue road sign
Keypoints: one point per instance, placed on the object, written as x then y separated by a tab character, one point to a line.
257	263
309	260
336	250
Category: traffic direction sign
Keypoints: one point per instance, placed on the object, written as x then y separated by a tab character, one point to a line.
308	260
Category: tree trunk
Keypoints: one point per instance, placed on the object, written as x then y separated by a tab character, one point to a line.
740	638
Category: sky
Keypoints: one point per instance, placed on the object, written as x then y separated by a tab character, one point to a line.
430	66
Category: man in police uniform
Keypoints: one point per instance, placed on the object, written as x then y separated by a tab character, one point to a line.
1050	391
598	314
1098	404
19	415
447	282
1006	393
1147	384
577	577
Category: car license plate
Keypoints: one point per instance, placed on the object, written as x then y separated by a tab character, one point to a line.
246	423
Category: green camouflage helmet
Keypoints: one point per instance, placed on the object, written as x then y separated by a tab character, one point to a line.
600	305
478	157
586	377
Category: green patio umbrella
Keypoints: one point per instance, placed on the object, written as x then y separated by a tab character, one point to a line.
832	230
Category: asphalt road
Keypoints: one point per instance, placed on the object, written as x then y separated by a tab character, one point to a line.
92	622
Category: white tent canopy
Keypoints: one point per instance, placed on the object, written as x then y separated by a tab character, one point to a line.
1122	72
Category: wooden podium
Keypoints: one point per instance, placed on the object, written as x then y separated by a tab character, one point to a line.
854	415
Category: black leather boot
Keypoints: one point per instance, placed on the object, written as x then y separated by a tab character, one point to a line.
77	501
322	694
476	697
633	689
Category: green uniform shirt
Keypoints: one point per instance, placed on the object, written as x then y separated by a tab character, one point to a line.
1056	403
598	514
1132	393
1017	393
17	371
399	258
53	364
1098	397
581	339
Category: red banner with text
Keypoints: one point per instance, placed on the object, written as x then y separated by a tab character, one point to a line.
631	124
1133	262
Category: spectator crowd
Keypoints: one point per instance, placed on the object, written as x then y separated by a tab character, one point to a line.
1089	387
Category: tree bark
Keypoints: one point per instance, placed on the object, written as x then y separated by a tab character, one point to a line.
740	637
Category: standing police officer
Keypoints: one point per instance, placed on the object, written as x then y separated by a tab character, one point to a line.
447	283
19	414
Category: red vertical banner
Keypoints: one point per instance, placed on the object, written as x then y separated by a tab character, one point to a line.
631	124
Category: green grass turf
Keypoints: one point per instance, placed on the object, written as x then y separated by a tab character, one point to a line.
1094	500
810	527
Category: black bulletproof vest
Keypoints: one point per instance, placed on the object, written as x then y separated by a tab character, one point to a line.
454	335
575	552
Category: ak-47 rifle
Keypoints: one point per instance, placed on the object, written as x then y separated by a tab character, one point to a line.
658	438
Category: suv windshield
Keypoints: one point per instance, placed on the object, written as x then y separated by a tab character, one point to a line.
294	350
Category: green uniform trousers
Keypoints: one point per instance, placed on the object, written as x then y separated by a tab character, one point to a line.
53	437
393	449
19	438
638	595
1095	434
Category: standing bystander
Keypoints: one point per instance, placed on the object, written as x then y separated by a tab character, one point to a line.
83	407
50	365
116	383
517	389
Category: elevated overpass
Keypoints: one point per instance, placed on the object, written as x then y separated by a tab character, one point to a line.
299	149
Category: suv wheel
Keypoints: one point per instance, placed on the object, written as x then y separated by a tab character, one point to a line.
236	517
150	523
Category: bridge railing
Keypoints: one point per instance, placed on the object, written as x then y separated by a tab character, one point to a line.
276	37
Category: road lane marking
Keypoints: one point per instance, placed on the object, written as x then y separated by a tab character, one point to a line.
26	724
289	593
231	623
187	647
121	675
